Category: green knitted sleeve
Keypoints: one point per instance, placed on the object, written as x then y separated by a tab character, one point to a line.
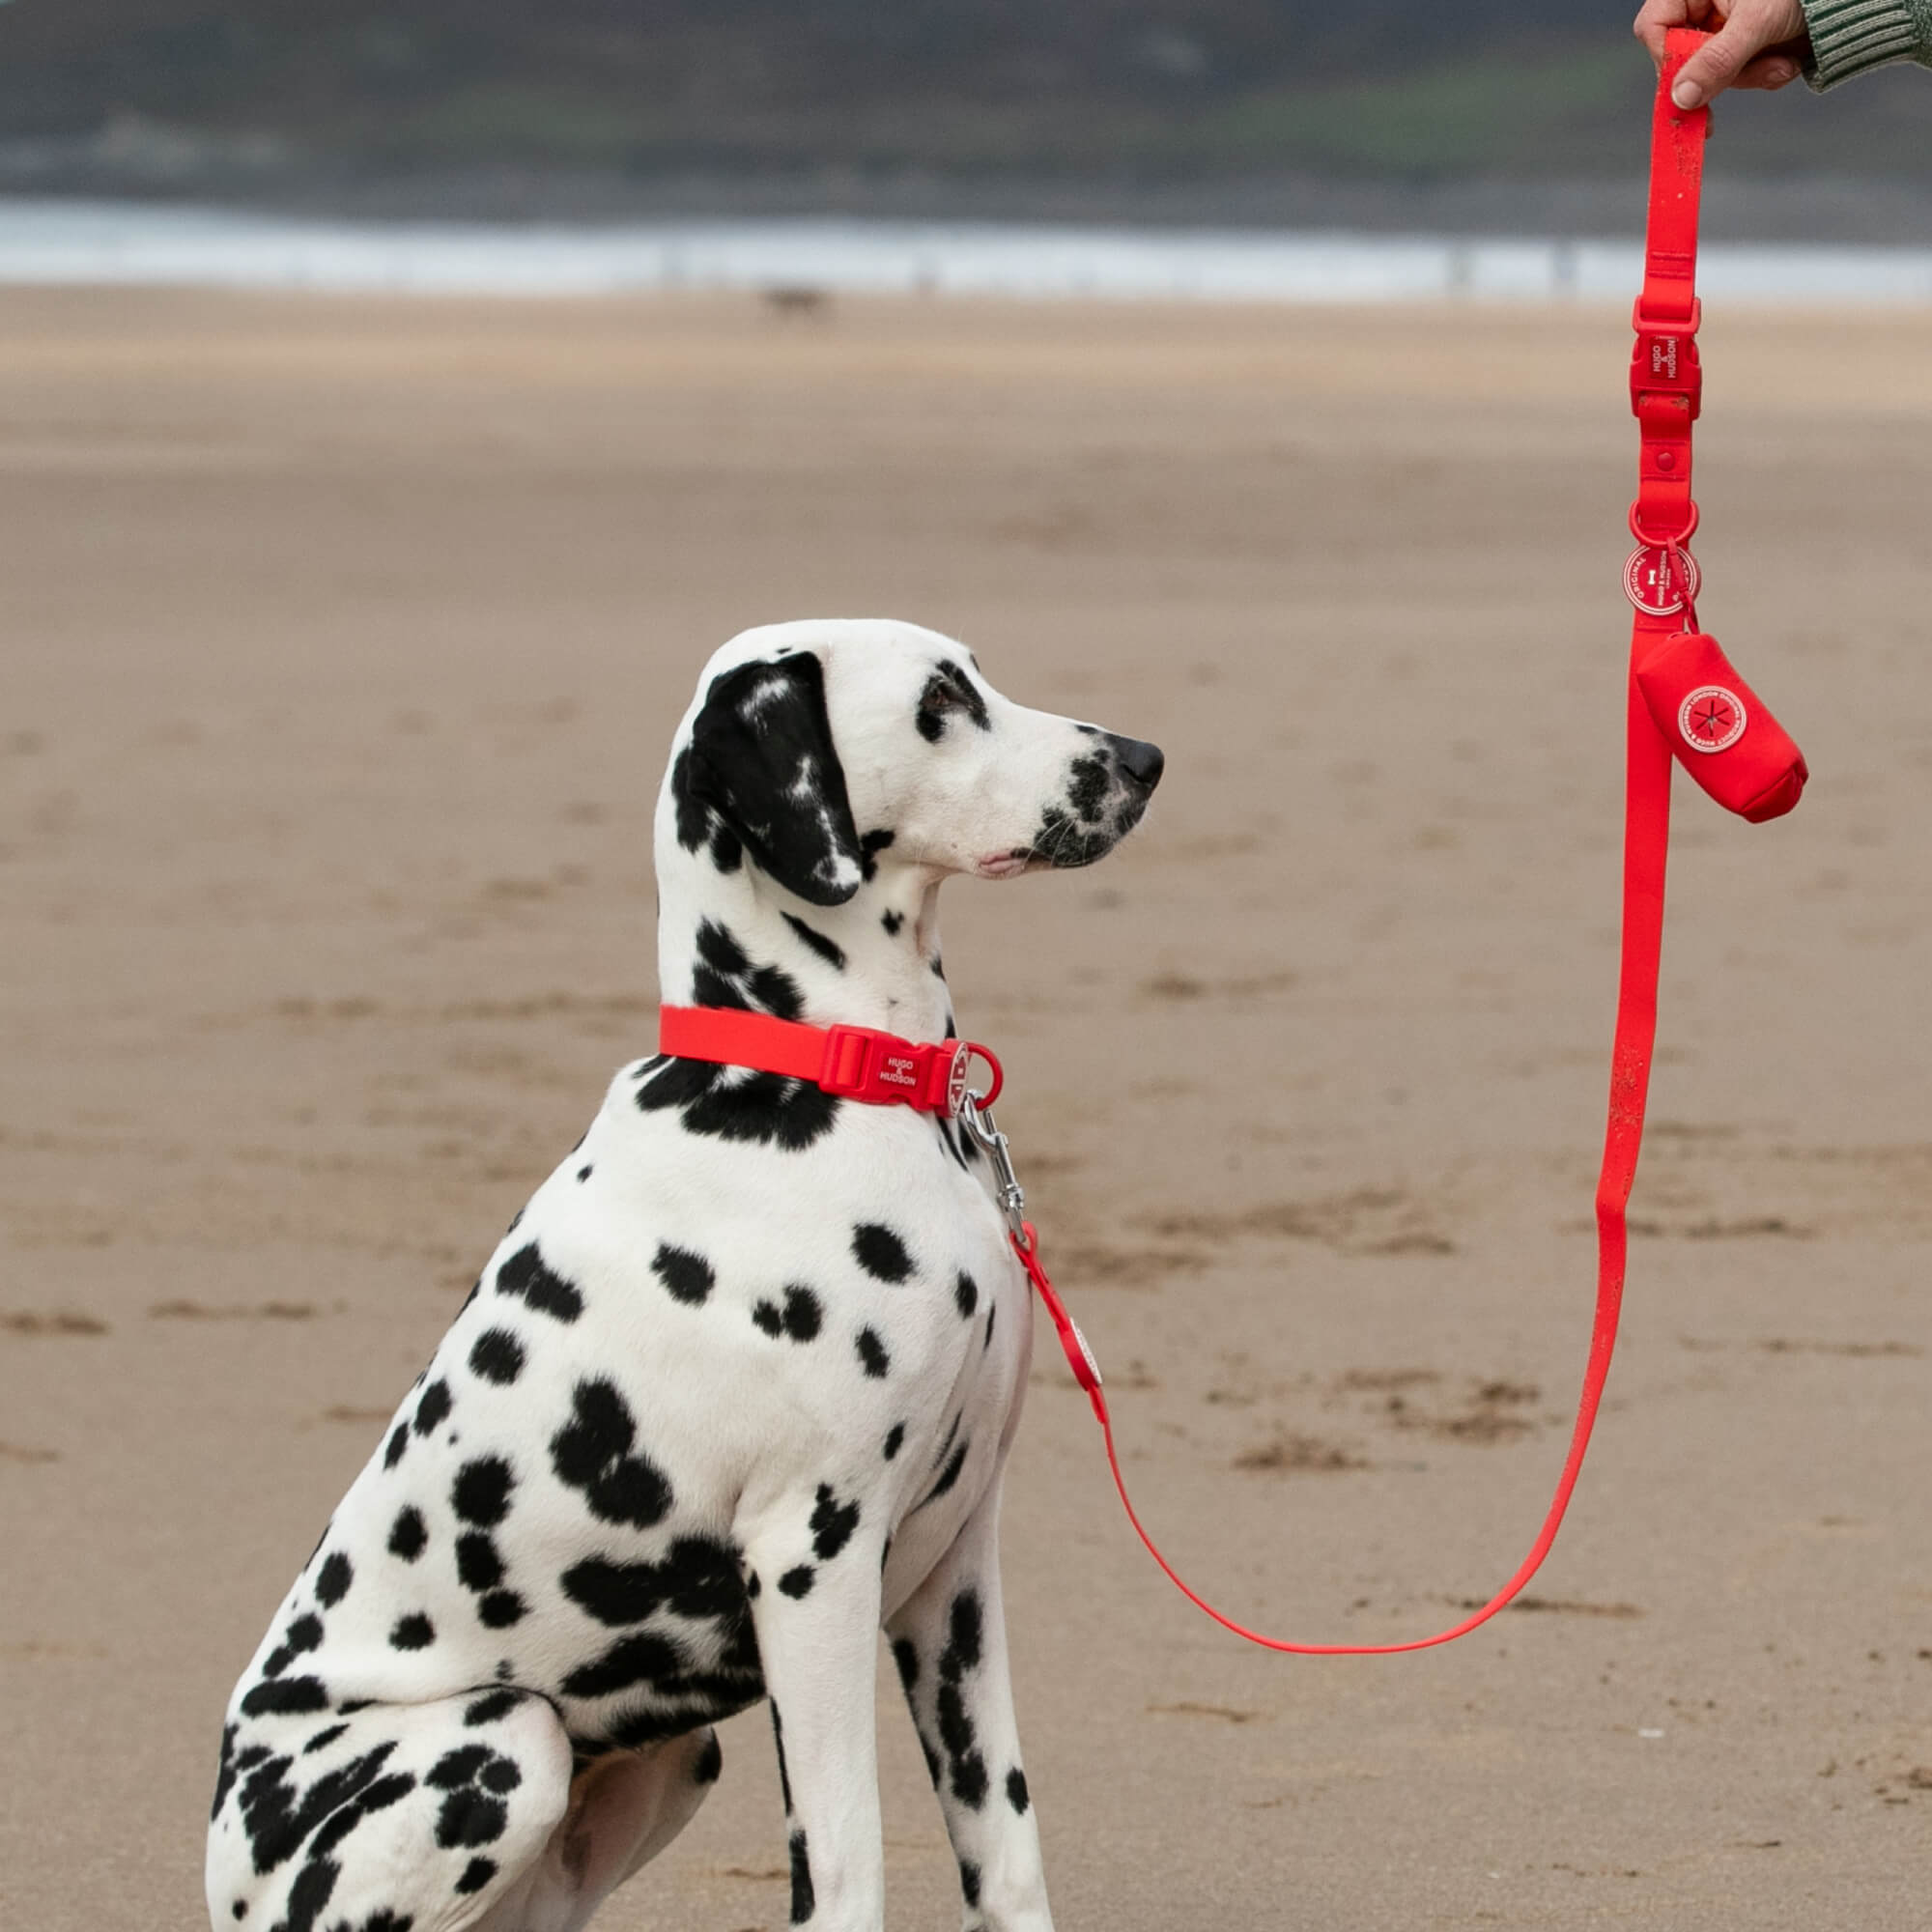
1852	37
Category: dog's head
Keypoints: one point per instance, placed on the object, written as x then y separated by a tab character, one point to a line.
813	751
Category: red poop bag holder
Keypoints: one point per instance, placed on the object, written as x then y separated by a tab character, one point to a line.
1684	697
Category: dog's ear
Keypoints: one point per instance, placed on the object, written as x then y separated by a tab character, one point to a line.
762	759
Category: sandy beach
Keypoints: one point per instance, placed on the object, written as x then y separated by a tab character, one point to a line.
342	644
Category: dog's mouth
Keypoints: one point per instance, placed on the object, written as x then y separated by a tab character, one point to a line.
1004	864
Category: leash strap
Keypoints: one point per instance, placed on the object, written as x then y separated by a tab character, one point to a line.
1666	384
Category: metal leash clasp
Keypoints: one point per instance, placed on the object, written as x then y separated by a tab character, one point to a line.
976	1116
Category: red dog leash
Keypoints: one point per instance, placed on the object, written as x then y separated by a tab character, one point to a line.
1685	698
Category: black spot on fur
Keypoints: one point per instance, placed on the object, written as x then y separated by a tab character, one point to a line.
964	1644
286	1696
414	1632
803	1903
1061	841
408	1534
332	1579
645	1656
433	1410
584	1174
905	1655
718	948
526	1277
1017	1795
869	847
693	815
892	921
827	949
309	1894
1088	782
481	1491
800	1317
969	1881
304	1635
500	1609
710	1761
476	1874
687	1276
478	1566
880	1252
278	1819
473	1780
698	1579
832	1523
872	1352
966	1292
498	1356
777	992
798	1581
491	1708
323	1739
762	1108
894	1436
991	1315
398	1442
592	1452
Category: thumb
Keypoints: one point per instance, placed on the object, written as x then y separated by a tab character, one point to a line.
1715	65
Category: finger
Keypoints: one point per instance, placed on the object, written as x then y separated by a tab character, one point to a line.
1657	18
1715	65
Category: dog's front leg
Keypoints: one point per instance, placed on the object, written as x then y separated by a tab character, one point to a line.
950	1643
817	1626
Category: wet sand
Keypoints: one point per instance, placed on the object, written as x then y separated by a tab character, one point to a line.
342	645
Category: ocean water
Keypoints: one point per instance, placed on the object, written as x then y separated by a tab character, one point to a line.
66	241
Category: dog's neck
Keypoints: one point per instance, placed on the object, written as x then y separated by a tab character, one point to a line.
737	939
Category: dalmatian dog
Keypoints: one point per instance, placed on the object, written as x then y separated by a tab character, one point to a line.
735	1390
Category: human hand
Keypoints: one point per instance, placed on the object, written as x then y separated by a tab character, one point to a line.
1757	43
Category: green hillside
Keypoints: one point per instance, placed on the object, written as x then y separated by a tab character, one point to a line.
1201	90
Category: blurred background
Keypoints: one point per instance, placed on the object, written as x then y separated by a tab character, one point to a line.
1494	116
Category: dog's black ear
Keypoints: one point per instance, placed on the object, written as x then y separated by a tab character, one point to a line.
762	759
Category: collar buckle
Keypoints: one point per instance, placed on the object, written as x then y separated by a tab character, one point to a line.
880	1069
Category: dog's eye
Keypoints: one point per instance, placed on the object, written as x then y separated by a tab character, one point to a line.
941	696
948	689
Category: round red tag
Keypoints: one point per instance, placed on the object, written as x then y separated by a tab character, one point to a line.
1655	579
1711	718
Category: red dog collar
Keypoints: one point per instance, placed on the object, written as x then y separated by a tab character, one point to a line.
855	1062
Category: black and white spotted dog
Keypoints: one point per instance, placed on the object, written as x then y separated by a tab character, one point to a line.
736	1389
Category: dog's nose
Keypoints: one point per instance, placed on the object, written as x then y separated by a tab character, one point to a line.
1141	761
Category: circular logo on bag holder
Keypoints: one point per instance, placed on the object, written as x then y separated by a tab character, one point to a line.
1655	579
1711	718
